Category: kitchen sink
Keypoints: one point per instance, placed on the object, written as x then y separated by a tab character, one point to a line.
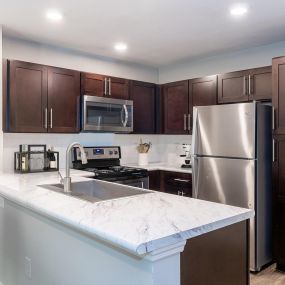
96	190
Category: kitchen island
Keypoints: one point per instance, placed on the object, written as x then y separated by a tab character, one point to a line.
50	238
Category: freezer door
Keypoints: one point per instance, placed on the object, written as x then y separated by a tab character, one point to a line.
227	181
224	130
224	180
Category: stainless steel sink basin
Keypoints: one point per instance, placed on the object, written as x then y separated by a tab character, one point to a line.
96	190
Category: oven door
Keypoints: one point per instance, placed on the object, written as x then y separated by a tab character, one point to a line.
139	182
107	114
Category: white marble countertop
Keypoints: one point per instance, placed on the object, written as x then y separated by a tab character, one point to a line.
161	166
138	224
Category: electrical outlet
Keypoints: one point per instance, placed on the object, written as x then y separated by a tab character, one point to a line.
28	267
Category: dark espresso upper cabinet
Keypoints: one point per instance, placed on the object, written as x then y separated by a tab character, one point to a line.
26	98
93	84
246	85
144	97
232	87
260	84
118	88
176	111
40	99
63	100
278	98
102	85
203	91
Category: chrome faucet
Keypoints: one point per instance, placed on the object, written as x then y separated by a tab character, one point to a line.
67	178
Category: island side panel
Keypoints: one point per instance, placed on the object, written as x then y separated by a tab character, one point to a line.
1	238
61	255
220	257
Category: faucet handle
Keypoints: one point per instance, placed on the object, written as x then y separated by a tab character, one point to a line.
61	178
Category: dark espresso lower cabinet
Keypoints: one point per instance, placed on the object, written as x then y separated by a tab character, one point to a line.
177	183
219	257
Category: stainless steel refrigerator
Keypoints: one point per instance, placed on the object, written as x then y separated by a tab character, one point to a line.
232	155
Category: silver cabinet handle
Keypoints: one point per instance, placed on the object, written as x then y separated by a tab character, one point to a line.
126	115
51	118
46	118
185	122
105	86
273	118
189	122
180	193
273	150
244	86
109	86
249	85
181	180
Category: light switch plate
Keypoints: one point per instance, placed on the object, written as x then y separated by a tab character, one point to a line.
2	204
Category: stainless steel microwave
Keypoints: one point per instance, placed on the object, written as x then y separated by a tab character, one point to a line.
101	114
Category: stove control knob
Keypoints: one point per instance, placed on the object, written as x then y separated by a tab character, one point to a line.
110	152
115	152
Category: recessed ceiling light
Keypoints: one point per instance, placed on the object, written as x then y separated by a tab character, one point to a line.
239	10
54	16
121	47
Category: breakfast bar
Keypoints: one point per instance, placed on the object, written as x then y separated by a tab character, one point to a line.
148	239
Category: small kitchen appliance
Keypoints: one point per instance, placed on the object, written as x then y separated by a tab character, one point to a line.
104	162
187	156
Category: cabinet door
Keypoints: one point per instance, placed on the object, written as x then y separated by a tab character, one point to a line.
176	108
203	91
118	88
143	94
279	233
177	183
233	87
279	201
155	180
279	165
260	84
27	97
278	96
93	84
63	100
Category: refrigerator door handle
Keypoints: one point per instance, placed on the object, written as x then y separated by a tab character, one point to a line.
195	178
185	122
194	130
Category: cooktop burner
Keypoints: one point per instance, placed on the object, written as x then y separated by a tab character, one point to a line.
117	171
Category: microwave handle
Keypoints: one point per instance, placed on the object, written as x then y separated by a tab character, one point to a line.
126	115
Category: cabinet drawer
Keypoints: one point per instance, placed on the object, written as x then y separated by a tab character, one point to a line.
178	183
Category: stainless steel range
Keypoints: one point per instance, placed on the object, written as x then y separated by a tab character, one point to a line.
104	162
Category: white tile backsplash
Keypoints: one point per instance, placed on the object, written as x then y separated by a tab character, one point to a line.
164	147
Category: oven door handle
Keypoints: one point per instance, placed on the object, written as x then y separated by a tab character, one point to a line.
126	115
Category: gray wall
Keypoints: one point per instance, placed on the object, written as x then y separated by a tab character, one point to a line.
250	58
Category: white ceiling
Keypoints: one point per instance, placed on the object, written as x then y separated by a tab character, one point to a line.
158	32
